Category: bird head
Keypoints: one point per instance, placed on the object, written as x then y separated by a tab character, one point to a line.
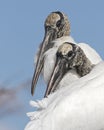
56	26
68	56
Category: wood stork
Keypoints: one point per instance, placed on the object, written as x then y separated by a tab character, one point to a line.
56	26
79	105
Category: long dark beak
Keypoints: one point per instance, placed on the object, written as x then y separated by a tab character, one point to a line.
58	73
40	59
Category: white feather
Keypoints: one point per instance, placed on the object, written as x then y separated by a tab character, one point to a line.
78	106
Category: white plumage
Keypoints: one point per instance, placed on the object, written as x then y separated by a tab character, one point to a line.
78	105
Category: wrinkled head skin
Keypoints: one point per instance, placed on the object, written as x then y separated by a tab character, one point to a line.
69	56
56	26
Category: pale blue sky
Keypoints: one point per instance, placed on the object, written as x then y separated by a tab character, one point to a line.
21	32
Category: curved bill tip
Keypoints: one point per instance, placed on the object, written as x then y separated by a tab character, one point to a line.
36	76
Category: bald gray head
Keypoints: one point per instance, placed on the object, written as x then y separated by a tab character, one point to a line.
56	26
69	56
75	57
59	23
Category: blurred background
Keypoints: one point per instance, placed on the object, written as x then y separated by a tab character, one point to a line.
21	32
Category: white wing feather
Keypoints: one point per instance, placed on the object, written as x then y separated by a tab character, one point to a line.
79	106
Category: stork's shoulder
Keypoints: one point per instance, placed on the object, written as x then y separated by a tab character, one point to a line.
91	53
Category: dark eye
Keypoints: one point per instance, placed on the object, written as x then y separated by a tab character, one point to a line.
58	24
70	53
